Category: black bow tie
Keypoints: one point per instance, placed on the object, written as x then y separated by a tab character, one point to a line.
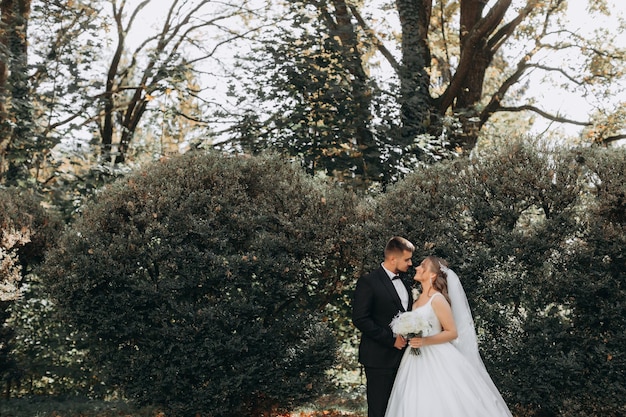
396	277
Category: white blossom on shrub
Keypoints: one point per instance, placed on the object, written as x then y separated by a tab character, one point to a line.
10	268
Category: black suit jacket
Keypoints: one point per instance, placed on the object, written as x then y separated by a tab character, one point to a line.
375	304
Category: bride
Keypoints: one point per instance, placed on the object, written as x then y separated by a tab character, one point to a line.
447	378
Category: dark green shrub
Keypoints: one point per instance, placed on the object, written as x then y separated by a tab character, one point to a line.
199	281
556	281
21	210
537	239
589	290
27	230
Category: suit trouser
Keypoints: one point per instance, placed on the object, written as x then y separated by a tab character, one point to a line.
379	385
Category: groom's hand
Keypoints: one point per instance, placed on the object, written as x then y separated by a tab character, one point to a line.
400	342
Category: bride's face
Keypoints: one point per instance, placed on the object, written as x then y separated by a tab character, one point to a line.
422	272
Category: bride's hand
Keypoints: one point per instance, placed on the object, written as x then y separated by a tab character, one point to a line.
416	342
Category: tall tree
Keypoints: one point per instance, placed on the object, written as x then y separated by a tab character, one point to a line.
15	105
99	75
316	95
471	41
159	63
451	68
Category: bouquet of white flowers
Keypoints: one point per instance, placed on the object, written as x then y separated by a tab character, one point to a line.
410	325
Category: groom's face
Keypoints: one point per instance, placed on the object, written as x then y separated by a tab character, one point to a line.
403	261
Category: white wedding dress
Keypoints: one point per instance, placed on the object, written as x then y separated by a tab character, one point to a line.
442	382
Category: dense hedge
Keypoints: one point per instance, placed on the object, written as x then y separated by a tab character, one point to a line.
538	240
200	281
27	230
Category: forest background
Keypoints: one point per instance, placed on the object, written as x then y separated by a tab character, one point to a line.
131	218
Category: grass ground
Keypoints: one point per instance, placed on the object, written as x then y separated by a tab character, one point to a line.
75	407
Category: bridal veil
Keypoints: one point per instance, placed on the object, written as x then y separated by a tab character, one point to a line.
466	341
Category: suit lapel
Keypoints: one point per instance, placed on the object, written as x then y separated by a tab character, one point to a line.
390	288
411	300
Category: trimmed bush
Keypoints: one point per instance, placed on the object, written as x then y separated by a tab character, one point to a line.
538	240
200	281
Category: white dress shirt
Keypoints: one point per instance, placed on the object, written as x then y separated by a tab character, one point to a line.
400	288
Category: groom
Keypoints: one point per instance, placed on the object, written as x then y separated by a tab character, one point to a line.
378	298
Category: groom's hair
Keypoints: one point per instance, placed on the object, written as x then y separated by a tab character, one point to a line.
398	244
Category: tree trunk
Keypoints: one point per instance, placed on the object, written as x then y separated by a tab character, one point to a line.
471	89
416	103
106	125
15	108
368	162
477	49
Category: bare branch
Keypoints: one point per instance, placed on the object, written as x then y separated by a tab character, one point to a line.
498	39
446	47
615	138
559	70
555	118
374	39
496	98
479	32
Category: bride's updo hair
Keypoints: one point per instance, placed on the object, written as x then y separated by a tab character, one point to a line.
440	283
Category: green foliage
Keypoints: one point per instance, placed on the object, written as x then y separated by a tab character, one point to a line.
537	238
200	280
208	283
16	121
422	89
27	231
26	227
588	289
312	93
318	102
50	88
49	354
